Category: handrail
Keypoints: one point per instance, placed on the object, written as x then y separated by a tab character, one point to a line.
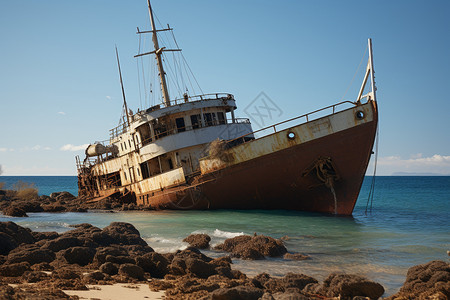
290	120
204	97
124	127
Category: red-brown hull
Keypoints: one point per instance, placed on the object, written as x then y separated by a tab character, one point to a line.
284	179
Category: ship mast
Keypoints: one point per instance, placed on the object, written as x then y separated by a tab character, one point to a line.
158	52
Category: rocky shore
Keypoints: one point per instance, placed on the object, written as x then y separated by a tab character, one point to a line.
16	204
40	265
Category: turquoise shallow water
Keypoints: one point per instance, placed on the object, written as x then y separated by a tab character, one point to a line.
408	225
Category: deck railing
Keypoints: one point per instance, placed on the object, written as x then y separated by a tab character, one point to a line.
307	117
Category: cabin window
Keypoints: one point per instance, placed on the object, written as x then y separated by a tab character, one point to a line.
114	179
125	145
180	124
208	119
139	173
195	121
160	128
144	170
121	146
125	174
129	143
170	164
221	117
146	135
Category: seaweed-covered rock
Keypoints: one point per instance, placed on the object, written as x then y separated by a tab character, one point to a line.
131	270
236	293
295	256
426	281
109	268
14	211
349	286
153	263
62	243
30	253
200	241
79	255
12	235
14	269
124	233
46	235
253	247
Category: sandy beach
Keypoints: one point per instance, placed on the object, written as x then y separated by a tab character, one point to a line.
118	291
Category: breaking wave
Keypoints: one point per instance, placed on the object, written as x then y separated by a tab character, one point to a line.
226	234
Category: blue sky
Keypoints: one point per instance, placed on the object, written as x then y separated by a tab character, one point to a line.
60	88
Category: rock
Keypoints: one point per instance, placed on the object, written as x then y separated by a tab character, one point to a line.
62	243
93	277
295	256
349	286
44	266
102	253
53	207
12	235
131	270
260	280
79	255
253	247
153	263
29	206
34	276
200	241
31	254
236	293
40	236
299	281
291	295
138	250
124	233
178	265
426	281
62	196
14	269
119	260
274	285
199	268
109	268
14	211
65	273
230	244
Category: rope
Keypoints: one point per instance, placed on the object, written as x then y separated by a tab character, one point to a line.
357	69
372	185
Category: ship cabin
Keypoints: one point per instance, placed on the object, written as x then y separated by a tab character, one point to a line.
160	147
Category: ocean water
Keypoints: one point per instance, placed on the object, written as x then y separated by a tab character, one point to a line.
408	225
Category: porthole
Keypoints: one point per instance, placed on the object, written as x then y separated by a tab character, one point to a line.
291	135
360	115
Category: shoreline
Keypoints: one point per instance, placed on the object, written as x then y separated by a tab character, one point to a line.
104	263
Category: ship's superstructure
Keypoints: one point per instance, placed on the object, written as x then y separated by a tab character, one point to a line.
193	153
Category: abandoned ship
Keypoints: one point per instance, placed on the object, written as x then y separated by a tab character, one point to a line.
193	153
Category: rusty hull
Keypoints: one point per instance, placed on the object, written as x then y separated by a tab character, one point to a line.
294	178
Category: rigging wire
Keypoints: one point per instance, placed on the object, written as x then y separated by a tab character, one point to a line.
186	64
354	76
139	79
372	185
171	78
